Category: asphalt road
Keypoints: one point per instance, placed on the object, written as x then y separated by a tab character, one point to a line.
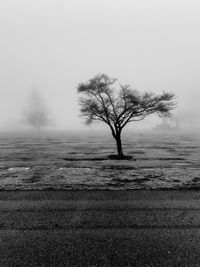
100	228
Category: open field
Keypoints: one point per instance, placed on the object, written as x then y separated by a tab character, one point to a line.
72	161
100	228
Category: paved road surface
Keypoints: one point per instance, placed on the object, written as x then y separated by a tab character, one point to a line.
100	228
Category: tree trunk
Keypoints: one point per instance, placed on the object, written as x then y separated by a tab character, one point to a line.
119	146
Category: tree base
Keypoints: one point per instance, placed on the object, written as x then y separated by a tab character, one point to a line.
117	157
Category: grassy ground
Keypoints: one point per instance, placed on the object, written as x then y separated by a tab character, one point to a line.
62	161
100	228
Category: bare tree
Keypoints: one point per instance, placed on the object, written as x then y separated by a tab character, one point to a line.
36	115
101	102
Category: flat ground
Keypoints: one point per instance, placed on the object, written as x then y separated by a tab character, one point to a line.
100	228
79	161
64	203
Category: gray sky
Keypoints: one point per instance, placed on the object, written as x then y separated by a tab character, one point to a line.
56	44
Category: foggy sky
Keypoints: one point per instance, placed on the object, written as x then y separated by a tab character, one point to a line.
56	44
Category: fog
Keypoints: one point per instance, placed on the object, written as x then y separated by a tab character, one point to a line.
56	44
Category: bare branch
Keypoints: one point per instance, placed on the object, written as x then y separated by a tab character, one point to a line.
101	102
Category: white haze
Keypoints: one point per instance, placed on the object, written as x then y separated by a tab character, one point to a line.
56	44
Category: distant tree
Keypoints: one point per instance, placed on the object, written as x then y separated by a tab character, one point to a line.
36	115
101	102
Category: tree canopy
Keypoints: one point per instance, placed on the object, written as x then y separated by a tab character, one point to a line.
36	115
101	101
